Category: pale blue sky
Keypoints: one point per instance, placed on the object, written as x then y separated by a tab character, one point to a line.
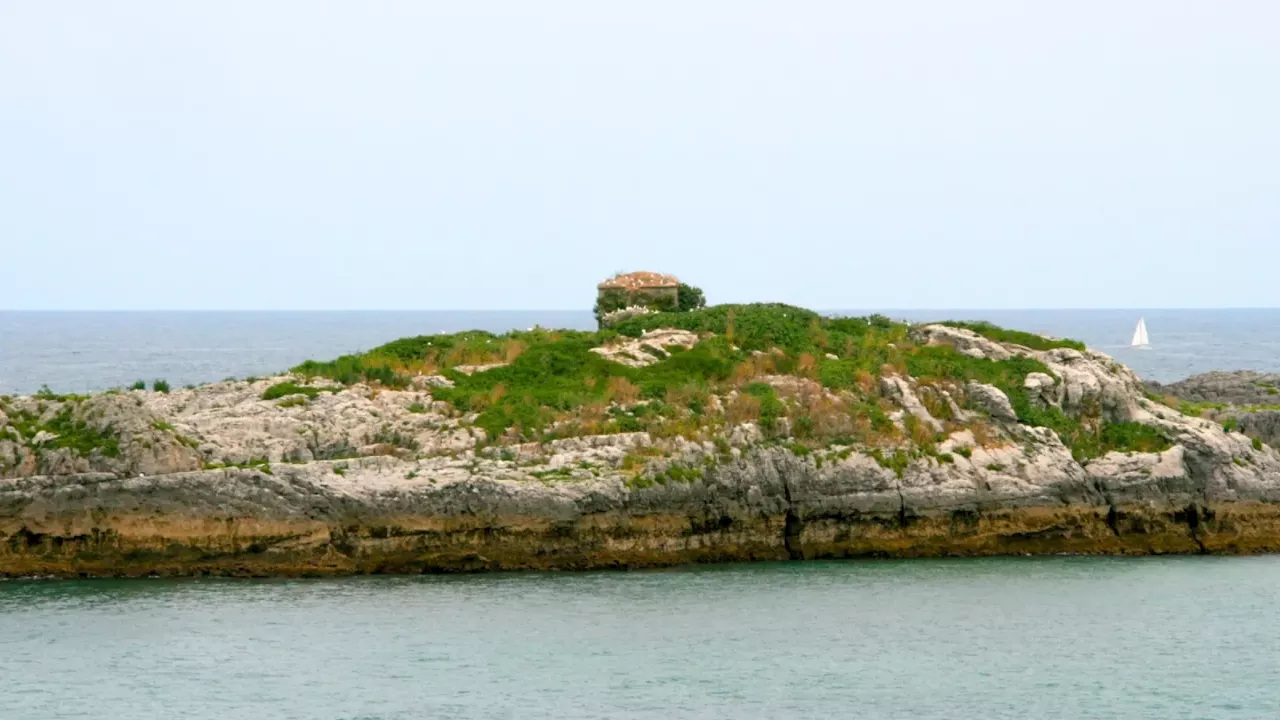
418	154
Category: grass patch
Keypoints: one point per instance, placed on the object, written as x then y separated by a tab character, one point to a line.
1198	409
161	386
286	389
800	449
896	460
563	375
72	434
396	363
260	464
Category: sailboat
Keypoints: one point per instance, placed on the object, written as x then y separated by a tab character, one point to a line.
1140	339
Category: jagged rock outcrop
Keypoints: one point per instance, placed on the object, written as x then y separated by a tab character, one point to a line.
1240	387
359	479
1245	400
649	348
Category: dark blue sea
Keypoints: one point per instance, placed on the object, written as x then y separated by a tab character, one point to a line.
90	351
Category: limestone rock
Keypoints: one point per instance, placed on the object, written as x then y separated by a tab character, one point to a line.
1262	424
472	369
1042	390
43	437
648	348
1242	387
965	341
900	391
993	400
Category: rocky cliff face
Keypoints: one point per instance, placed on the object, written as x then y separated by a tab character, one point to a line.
357	479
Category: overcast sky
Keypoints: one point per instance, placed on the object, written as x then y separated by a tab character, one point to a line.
420	155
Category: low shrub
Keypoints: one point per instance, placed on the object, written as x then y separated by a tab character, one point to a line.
285	389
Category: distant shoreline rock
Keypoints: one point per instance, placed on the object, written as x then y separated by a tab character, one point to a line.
1244	401
1236	387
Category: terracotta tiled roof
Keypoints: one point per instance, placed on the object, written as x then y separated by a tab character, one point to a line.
639	280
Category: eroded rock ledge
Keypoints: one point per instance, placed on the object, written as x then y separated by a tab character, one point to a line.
219	480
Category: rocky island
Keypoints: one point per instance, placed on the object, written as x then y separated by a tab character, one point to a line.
691	434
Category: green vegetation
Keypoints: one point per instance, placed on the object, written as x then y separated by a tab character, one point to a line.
687	298
672	473
160	386
562	375
800	449
139	385
293	401
1088	435
1017	337
394	364
897	460
552	385
260	464
72	434
417	408
771	408
286	389
1197	409
44	393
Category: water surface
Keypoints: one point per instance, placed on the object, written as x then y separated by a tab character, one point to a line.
1021	638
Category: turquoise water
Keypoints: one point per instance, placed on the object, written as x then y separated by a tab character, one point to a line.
999	638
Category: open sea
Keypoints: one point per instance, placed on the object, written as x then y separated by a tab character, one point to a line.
1016	638
90	351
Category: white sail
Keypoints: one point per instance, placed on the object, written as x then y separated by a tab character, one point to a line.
1140	334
